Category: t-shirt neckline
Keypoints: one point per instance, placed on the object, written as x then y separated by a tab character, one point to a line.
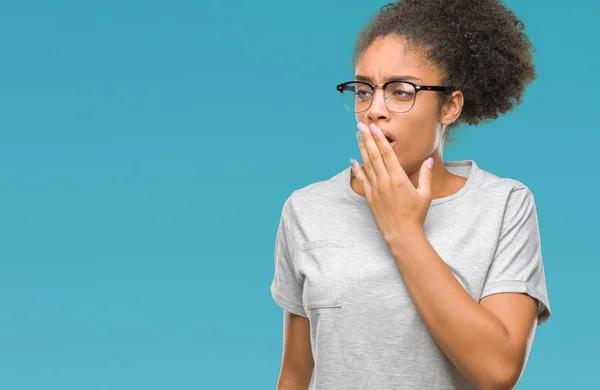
449	164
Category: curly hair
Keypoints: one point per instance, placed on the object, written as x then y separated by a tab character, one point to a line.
478	45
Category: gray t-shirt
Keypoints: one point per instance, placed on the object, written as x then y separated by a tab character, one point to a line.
333	267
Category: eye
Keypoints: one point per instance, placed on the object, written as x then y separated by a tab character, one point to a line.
363	94
401	91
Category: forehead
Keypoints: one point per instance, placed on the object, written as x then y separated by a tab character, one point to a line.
390	55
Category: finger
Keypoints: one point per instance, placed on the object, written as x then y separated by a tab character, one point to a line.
374	155
388	156
425	179
362	177
368	168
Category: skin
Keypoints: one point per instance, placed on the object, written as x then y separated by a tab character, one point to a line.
485	340
297	362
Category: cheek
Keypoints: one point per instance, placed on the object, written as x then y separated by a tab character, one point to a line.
361	117
414	128
416	133
426	119
428	108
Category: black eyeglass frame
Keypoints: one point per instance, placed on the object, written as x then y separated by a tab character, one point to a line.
417	87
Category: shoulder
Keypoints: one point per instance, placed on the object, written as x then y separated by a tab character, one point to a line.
318	193
502	187
506	195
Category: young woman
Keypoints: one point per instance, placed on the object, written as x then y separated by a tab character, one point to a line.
410	272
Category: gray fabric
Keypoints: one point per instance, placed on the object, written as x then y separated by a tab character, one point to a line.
333	267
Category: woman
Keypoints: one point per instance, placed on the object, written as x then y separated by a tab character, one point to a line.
410	272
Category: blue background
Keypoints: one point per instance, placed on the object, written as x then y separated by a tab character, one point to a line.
147	148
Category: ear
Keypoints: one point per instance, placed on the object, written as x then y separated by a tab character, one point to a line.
452	108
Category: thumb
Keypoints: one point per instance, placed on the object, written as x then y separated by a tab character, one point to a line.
425	178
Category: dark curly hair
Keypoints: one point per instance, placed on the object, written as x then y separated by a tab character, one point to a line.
478	45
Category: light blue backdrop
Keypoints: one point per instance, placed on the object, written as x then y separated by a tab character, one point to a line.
147	147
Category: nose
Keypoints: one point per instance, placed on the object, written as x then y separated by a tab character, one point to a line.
378	109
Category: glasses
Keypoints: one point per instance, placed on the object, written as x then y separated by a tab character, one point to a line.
399	95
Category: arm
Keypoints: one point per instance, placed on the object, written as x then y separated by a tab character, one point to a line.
297	361
486	341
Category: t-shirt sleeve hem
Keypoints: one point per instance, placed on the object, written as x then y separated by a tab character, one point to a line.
519	286
287	304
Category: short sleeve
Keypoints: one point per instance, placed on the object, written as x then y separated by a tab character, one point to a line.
286	288
517	265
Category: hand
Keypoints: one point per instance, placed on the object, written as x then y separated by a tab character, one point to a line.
397	206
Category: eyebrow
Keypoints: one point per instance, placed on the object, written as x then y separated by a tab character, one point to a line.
389	78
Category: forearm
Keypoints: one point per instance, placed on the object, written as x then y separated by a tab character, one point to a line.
290	379
291	384
473	338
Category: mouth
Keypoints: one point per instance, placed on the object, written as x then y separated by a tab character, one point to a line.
389	137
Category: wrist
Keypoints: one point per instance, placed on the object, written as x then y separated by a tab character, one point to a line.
408	236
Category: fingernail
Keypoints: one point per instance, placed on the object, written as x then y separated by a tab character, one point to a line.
429	162
373	128
358	136
361	127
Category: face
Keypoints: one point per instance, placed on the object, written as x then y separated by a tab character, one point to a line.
417	133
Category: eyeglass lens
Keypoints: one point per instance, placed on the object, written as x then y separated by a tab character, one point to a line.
399	96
